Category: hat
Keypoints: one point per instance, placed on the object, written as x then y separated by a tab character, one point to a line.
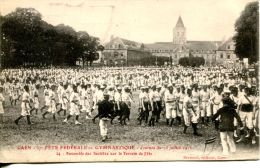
146	87
226	91
158	86
169	85
127	88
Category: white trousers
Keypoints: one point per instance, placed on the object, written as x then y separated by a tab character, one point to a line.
247	119
25	109
205	111
190	117
103	127
227	142
74	109
52	108
171	111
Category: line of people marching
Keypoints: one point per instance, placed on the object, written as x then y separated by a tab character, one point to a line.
182	96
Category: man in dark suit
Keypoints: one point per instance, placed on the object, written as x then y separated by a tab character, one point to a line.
226	127
105	111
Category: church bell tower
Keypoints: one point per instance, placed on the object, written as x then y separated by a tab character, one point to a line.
179	33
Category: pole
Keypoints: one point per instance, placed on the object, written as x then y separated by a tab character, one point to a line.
156	63
0	45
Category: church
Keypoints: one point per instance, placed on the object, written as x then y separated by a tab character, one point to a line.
125	52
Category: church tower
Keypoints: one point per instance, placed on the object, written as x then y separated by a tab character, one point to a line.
179	33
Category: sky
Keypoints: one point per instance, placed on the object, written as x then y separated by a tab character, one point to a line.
145	21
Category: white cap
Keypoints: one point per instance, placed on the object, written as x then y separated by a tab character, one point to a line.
226	91
169	85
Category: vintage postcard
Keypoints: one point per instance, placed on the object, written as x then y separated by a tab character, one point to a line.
129	80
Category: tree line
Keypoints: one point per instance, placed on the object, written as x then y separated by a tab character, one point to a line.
27	40
191	61
247	33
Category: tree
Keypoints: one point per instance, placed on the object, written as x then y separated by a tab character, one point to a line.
192	61
88	47
247	33
1	41
28	40
21	31
67	45
184	61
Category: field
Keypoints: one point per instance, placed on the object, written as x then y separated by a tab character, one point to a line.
46	132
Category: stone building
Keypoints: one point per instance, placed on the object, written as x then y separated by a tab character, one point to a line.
123	52
214	52
226	53
119	51
181	47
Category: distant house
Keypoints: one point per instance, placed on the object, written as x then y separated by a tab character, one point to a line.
123	52
226	53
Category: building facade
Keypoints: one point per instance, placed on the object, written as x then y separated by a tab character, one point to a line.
123	52
214	52
226	53
119	51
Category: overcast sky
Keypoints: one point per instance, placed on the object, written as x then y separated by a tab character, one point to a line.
144	21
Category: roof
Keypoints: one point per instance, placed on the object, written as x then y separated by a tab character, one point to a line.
179	23
191	45
130	43
202	45
125	42
162	46
224	45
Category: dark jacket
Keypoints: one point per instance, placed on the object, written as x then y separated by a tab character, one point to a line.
105	109
227	115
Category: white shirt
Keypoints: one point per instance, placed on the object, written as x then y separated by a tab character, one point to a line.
126	97
205	96
144	97
118	97
170	98
25	97
243	100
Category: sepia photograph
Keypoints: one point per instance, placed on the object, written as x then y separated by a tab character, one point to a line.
129	80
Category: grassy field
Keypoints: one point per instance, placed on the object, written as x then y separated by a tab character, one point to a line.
47	131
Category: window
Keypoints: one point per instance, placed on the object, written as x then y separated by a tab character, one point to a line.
228	56
228	47
221	55
115	54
